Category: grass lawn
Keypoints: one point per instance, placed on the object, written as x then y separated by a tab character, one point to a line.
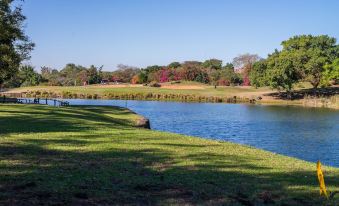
95	155
189	88
192	88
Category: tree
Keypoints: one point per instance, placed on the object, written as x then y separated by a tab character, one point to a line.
228	66
190	70
212	64
280	73
302	58
153	68
164	75
309	54
15	46
330	73
28	77
229	77
244	63
94	74
83	77
106	75
125	73
68	75
258	74
202	77
46	73
142	77
214	76
135	79
174	65
51	76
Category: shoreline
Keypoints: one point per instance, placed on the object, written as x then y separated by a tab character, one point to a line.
305	102
145	126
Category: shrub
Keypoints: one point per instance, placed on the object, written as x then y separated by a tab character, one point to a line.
154	84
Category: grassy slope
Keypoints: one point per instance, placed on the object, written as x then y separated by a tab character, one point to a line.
205	90
85	155
97	89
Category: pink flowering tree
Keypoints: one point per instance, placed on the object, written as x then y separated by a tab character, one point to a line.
246	81
164	75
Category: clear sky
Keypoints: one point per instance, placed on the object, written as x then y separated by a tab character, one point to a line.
148	32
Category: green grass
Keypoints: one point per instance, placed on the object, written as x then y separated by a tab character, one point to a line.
205	90
95	155
96	89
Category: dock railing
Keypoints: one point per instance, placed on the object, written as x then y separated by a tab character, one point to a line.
46	101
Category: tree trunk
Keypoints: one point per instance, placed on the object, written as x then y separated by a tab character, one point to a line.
315	81
315	84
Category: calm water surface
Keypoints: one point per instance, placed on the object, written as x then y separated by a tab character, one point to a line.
306	133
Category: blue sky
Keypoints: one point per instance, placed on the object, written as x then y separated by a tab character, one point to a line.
148	32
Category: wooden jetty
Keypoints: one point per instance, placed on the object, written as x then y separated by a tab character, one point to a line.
14	95
54	102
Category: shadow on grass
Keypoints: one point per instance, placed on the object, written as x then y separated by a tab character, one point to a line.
300	94
46	176
68	120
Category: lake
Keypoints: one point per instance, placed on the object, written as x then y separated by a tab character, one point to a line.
306	133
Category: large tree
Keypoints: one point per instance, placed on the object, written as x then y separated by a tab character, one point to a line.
280	72
15	46
309	54
302	58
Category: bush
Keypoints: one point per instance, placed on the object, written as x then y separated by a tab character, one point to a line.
154	84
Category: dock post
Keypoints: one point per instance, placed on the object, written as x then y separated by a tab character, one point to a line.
46	101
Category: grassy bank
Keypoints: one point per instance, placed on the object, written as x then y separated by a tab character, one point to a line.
186	92
95	155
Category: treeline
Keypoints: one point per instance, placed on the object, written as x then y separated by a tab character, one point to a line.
304	58
210	72
70	75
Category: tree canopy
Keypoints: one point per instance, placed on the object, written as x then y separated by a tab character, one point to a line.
331	73
15	46
244	64
302	58
309	54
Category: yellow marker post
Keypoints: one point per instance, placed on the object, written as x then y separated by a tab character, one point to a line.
321	180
